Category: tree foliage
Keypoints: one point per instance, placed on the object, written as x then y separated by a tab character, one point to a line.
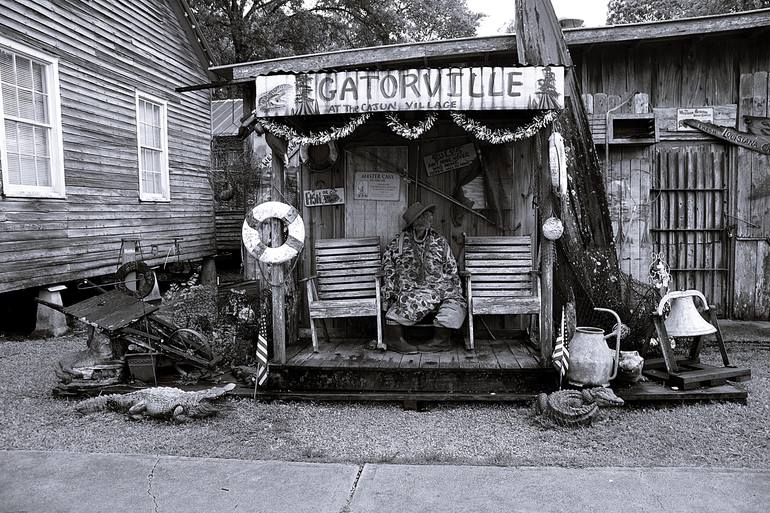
246	30
635	11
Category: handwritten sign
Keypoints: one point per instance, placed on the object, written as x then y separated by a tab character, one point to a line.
377	185
351	92
321	197
450	159
702	114
758	143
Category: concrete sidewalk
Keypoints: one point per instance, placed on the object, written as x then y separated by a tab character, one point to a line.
35	481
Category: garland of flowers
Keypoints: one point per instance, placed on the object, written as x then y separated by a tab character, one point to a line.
503	135
314	138
410	132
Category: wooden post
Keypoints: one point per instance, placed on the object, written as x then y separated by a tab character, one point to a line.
547	251
279	316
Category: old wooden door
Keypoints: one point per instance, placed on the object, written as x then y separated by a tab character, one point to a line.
689	223
375	195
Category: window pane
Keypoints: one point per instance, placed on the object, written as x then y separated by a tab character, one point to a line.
14	168
155	111
28	174
41	107
6	67
26	108
23	72
11	137
38	77
43	171
41	141
10	104
26	141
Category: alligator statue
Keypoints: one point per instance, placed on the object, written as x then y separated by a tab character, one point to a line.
159	402
574	407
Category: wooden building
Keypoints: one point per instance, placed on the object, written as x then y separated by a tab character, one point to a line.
699	201
97	146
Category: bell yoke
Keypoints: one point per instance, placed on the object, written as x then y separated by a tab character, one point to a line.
421	279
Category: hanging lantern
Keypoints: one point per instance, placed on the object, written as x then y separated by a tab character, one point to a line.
553	228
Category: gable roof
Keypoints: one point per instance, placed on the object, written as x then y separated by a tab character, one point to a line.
198	41
492	46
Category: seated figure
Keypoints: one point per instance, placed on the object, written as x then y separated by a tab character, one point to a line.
420	278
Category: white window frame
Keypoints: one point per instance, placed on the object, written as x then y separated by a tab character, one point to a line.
56	150
166	194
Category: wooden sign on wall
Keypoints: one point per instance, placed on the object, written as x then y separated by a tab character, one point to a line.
450	159
352	92
322	197
758	143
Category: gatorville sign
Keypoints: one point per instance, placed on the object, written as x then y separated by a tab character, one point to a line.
354	92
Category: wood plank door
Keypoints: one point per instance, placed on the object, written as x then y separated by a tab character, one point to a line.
689	222
365	214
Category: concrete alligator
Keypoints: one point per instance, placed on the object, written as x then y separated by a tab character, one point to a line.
158	402
574	407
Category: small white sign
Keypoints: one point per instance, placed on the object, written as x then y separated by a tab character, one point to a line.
450	159
321	197
704	114
377	185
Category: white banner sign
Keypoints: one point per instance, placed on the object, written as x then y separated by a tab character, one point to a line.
351	92
321	197
377	185
702	114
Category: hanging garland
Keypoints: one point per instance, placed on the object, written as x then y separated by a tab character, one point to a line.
410	132
503	135
295	138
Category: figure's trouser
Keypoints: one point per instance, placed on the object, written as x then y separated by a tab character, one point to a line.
450	314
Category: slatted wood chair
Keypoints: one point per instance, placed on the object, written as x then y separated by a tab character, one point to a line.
501	278
346	283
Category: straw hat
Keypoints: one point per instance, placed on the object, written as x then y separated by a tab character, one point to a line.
414	211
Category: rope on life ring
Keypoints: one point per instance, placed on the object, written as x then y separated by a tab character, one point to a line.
144	275
290	217
318	165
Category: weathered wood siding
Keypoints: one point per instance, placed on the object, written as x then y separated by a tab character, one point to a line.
690	72
107	50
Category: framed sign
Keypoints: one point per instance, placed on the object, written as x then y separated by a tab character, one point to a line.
377	185
702	114
450	159
321	197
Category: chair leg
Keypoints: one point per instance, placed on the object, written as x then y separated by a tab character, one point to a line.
471	344
380	345
314	335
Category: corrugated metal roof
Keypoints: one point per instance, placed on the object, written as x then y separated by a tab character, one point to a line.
226	117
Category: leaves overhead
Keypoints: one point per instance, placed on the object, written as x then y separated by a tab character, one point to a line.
246	30
634	11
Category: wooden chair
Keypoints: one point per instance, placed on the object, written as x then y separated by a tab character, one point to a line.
346	283
501	278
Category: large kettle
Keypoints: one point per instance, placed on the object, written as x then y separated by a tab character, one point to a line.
591	362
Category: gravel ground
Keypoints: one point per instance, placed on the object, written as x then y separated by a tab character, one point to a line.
701	434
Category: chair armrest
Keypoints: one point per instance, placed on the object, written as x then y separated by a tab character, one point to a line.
308	278
379	274
464	273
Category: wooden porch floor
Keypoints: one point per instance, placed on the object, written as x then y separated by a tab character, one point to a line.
489	355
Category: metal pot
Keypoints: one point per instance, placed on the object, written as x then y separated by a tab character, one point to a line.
591	361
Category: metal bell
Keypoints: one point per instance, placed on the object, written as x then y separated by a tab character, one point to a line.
684	319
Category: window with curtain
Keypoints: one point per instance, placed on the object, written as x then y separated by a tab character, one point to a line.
153	148
30	123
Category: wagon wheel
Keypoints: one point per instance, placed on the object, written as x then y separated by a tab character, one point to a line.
191	341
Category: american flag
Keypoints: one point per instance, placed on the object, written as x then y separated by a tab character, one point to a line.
262	366
560	356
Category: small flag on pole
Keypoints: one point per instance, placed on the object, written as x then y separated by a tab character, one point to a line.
560	356
262	365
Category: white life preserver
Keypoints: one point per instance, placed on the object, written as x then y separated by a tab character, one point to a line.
263	212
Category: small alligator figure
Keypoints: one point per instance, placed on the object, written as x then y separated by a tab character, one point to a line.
274	99
575	407
159	402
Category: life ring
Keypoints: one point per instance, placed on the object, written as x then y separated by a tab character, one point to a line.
290	217
316	163
144	275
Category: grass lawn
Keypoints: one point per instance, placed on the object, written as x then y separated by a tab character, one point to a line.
700	434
